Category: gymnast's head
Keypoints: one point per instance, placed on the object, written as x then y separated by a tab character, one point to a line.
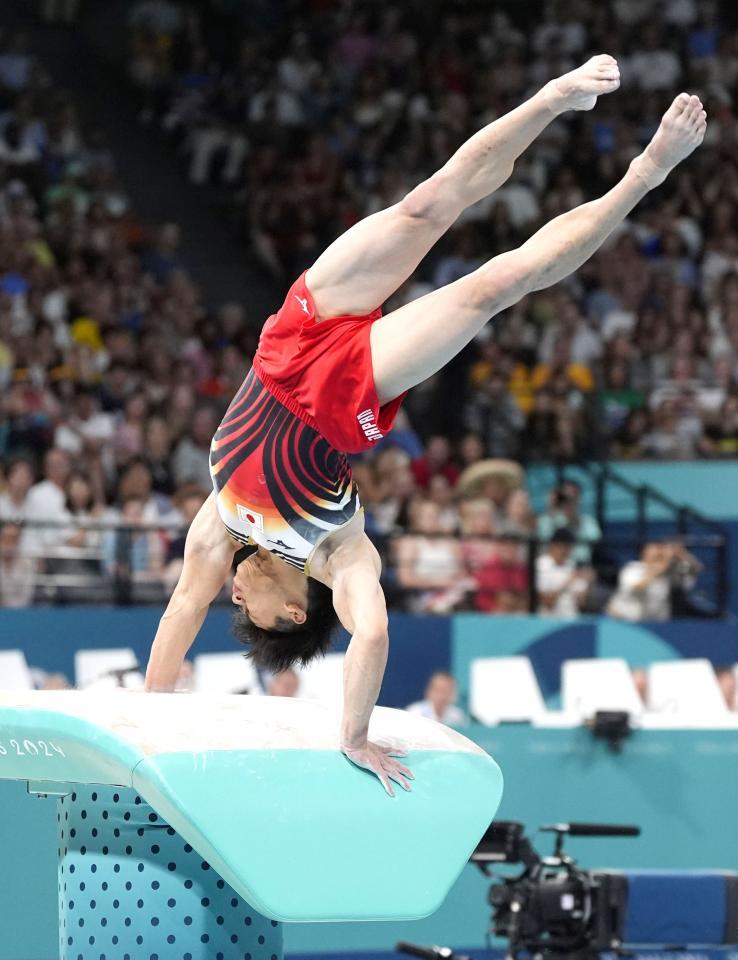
283	617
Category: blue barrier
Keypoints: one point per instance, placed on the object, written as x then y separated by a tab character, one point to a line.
418	645
707	486
49	636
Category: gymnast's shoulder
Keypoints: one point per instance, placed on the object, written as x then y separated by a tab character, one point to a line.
344	550
208	537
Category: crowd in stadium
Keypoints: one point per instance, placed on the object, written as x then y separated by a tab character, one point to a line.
364	101
114	372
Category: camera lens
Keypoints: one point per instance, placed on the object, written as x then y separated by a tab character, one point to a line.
500	896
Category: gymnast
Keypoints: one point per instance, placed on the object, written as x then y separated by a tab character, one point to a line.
328	379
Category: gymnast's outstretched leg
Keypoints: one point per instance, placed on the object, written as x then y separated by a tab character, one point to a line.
365	265
410	344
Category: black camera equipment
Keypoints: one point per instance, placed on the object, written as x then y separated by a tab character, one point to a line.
428	953
554	910
612	726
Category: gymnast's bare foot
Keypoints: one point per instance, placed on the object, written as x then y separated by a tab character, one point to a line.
681	131
579	89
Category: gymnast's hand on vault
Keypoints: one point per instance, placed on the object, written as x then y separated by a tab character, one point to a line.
381	761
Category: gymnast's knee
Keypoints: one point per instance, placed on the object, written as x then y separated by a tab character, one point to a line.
433	202
502	282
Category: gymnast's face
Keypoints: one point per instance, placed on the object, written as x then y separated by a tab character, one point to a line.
268	591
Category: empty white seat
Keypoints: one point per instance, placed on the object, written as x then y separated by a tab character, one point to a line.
14	671
225	673
322	679
686	689
504	689
92	665
651	720
598	684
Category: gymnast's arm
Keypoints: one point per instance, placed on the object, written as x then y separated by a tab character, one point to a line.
207	562
353	570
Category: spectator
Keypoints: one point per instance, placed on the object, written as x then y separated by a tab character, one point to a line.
640	680
392	486
88	432
17	568
136	481
46	500
430	563
191	460
645	586
629	440
403	436
54	681
128	439
435	460
493	480
439	702
471	450
518	519
132	552
157	447
190	502
502	581
185	678
654	66
14	498
561	585
671	437
565	512
16	63
162	259
79	540
464	259
726	678
477	527
283	684
441	493
618	399
494	415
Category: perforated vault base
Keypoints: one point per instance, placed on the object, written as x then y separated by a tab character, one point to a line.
130	888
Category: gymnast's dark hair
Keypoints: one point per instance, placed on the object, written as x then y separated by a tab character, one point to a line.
287	643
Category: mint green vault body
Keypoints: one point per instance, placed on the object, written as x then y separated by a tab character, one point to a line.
257	789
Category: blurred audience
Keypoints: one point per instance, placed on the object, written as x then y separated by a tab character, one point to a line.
17	568
358	107
561	584
728	683
114	372
502	580
133	551
439	702
646	586
429	565
564	514
286	683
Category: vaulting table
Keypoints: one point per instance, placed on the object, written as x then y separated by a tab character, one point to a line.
190	825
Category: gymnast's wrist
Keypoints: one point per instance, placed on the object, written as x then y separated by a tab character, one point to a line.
152	685
351	741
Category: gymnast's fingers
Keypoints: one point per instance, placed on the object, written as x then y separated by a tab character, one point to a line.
406	771
395	775
385	780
